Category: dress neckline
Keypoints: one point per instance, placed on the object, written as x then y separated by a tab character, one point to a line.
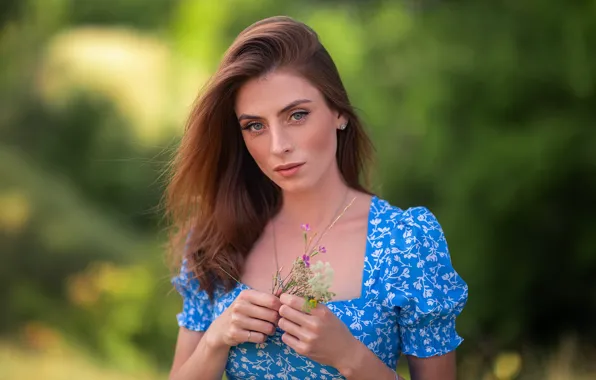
242	286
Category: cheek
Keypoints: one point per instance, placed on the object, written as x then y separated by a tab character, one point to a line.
322	142
255	149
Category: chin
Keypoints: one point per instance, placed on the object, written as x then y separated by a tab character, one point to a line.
296	185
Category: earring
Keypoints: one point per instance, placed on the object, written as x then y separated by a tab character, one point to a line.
343	126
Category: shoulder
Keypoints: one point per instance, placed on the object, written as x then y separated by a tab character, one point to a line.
185	281
416	220
197	308
419	280
411	239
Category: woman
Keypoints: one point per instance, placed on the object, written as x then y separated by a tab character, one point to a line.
271	144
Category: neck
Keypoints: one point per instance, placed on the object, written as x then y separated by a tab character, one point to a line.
317	207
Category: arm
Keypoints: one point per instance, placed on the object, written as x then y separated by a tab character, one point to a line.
250	318
363	364
428	309
195	354
441	367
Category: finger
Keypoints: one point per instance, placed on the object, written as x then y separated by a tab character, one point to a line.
258	312
295	316
293	301
251	336
252	324
294	343
321	311
260	298
295	330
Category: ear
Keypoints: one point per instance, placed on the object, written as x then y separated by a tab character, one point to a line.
342	122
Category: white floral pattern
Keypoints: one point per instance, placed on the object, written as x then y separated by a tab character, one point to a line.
411	297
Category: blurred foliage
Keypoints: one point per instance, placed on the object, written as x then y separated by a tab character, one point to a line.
480	110
58	362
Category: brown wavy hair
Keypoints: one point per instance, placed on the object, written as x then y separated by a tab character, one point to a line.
218	201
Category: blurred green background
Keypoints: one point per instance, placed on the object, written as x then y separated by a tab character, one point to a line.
483	111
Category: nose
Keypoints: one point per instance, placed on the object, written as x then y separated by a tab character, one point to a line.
281	142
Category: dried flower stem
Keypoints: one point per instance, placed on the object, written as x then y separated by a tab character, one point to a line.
332	223
233	278
304	281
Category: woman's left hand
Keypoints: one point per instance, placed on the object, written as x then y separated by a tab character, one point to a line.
318	335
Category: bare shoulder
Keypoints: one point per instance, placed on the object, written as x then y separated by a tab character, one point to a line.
359	209
355	216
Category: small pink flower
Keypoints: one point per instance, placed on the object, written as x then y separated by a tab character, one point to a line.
306	259
305	227
322	249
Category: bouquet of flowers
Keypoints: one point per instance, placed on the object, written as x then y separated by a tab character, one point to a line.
312	282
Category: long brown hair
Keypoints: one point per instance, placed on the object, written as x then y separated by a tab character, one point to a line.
216	191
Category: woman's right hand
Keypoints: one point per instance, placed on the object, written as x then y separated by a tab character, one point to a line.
250	318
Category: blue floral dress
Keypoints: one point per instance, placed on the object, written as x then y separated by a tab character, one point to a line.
411	296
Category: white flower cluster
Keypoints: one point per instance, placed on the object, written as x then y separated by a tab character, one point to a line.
321	280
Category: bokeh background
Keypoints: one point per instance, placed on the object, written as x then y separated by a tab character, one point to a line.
481	110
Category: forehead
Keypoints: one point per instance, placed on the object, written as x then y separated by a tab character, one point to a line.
266	95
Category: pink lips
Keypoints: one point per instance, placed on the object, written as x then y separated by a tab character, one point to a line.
288	170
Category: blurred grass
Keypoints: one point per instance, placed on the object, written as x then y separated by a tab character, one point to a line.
60	363
45	356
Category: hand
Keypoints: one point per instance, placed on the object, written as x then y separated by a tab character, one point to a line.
250	318
318	335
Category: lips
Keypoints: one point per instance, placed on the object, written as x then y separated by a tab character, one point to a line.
288	166
289	170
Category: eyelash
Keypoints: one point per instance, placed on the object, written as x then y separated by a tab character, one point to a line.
248	126
305	113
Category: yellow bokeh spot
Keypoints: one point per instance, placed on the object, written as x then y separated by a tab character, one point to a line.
82	290
101	279
507	365
41	337
15	211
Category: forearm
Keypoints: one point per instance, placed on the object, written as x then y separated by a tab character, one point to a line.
363	364
207	362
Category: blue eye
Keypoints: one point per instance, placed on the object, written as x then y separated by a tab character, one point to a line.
298	116
254	127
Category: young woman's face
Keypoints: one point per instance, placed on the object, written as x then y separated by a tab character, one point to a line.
288	129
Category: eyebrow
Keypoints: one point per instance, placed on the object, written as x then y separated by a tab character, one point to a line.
285	109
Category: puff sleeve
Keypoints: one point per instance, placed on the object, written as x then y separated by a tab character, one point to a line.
197	309
425	289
